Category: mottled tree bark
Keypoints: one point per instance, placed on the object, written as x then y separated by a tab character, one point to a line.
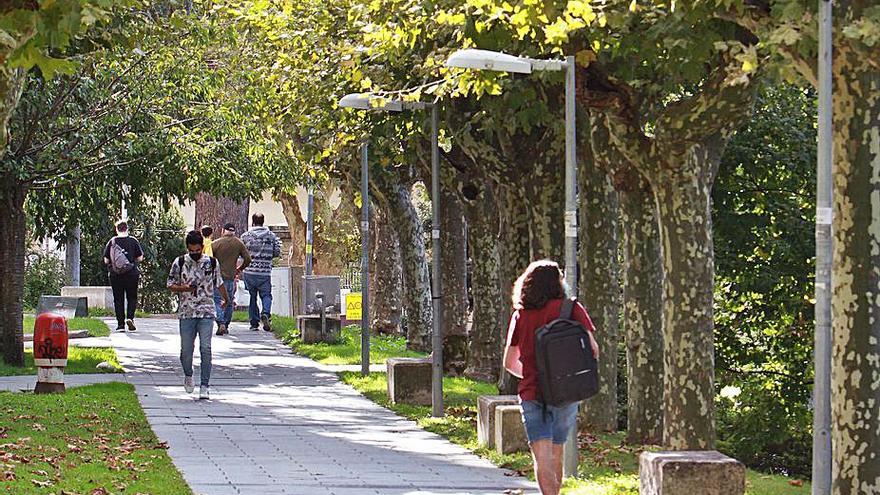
545	197
453	253
12	82
599	285
12	260
683	196
515	252
642	312
855	373
490	308
72	261
296	255
417	299
679	161
642	289
217	211
330	255
386	277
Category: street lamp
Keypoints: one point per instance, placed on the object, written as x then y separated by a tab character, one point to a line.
366	101
496	61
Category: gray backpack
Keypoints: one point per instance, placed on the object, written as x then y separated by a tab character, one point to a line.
119	262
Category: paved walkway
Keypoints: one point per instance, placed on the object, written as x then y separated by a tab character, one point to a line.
278	423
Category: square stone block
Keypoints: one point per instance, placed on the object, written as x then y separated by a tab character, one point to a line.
690	472
98	296
311	331
409	380
510	432
486	405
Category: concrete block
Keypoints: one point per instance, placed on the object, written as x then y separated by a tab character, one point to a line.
311	331
69	307
486	405
690	472
98	296
510	432
409	380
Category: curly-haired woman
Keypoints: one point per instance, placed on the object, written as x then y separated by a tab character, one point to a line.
537	300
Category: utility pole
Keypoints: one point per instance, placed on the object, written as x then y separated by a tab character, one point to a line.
822	447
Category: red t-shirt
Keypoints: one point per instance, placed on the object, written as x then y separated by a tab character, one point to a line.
521	334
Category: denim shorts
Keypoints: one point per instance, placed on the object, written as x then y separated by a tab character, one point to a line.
556	425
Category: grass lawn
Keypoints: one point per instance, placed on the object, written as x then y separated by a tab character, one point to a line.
608	466
96	328
79	360
347	351
90	440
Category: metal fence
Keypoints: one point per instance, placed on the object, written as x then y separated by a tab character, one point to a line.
351	277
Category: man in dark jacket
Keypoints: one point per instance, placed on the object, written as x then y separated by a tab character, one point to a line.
122	255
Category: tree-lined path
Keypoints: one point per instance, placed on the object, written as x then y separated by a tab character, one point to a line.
278	423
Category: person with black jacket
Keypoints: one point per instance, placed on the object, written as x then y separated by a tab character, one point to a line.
122	255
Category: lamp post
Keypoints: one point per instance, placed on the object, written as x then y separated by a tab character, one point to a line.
364	101
310	232
822	447
126	190
496	61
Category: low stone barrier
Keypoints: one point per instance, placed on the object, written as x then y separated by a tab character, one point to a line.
312	333
510	433
486	405
690	472
98	296
409	380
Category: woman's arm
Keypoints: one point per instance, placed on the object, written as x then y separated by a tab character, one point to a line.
511	350
511	361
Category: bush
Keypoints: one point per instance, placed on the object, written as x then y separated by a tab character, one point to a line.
744	415
43	275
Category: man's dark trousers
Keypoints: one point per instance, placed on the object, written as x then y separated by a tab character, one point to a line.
125	289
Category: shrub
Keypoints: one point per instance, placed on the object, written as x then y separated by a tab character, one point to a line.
44	275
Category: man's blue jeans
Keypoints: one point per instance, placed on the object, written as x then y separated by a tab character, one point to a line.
224	315
189	328
260	287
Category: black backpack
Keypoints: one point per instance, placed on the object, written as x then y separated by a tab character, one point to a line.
567	369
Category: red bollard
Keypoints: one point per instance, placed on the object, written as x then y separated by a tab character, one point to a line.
50	352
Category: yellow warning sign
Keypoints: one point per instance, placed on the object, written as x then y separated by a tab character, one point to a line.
353	306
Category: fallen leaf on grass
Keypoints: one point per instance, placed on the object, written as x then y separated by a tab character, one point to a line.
796	483
38	427
42	484
7	476
100	491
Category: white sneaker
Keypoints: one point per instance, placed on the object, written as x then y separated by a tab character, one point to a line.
188	384
203	393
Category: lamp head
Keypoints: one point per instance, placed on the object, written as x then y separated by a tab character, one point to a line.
488	60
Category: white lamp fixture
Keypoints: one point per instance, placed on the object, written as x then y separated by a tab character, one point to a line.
364	101
496	61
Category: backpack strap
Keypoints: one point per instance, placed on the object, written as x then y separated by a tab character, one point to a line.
567	308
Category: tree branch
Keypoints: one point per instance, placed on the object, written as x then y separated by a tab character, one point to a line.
719	107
